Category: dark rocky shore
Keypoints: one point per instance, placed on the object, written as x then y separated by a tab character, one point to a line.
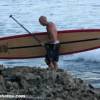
44	84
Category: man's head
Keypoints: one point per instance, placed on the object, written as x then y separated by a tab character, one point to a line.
43	20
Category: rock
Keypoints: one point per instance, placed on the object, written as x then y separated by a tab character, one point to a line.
58	99
2	85
45	84
2	67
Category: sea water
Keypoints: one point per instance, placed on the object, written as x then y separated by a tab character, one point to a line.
66	14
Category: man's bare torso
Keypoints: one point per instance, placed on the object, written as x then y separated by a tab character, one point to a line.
52	32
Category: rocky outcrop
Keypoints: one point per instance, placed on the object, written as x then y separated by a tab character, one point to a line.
45	84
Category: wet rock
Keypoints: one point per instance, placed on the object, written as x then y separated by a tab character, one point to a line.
2	85
46	84
2	67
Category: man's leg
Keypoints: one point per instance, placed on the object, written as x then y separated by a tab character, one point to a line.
49	55
56	55
49	63
55	64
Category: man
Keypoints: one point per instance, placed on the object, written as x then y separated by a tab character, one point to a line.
52	46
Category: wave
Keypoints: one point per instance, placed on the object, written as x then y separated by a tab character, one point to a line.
88	56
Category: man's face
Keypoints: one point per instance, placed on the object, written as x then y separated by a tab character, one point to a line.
43	21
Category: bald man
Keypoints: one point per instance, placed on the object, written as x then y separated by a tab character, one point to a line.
52	45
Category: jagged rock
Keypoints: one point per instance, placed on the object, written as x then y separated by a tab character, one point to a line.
2	67
2	85
46	84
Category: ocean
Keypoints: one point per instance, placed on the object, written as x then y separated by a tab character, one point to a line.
66	14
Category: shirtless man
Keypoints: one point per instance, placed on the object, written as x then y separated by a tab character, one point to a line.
52	46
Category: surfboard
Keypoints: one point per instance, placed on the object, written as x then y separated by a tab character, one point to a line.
71	41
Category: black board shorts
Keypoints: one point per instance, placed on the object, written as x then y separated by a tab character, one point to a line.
52	52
